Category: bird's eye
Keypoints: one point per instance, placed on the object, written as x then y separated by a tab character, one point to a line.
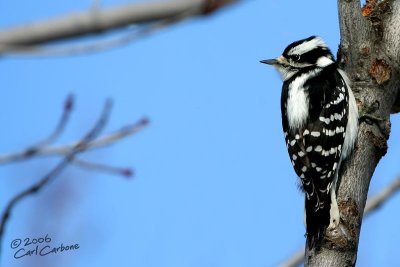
296	57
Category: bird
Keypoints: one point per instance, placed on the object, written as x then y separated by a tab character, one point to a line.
320	125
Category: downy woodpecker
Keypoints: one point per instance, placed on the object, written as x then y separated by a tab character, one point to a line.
320	123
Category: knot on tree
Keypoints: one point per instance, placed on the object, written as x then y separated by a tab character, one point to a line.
380	70
379	142
213	5
374	11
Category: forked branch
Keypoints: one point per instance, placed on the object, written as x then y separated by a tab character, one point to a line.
91	140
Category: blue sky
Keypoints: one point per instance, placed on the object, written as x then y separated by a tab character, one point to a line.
213	185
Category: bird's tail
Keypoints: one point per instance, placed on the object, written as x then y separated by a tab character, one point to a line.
317	220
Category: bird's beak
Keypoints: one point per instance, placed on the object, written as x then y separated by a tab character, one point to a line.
269	61
275	61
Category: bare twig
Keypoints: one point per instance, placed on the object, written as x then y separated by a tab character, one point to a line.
35	188
372	204
127	172
32	150
98	20
62	150
380	198
97	46
295	260
68	106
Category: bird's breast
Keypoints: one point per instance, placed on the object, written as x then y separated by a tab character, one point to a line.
297	105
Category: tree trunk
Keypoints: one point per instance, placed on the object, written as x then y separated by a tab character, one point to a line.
370	54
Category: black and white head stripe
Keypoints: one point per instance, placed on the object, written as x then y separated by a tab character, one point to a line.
305	45
308	50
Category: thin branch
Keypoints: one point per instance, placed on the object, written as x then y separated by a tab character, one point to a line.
99	20
62	150
32	150
127	172
372	205
97	46
376	201
35	188
295	260
68	106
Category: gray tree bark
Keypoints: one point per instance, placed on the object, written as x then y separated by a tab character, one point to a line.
370	54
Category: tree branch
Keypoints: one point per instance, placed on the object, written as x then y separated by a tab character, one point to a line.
102	167
372	205
35	188
70	50
32	150
62	150
68	106
380	198
90	141
367	58
295	260
99	20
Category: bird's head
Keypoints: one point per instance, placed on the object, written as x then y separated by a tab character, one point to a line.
307	53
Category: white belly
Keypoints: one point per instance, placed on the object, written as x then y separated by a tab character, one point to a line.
297	103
